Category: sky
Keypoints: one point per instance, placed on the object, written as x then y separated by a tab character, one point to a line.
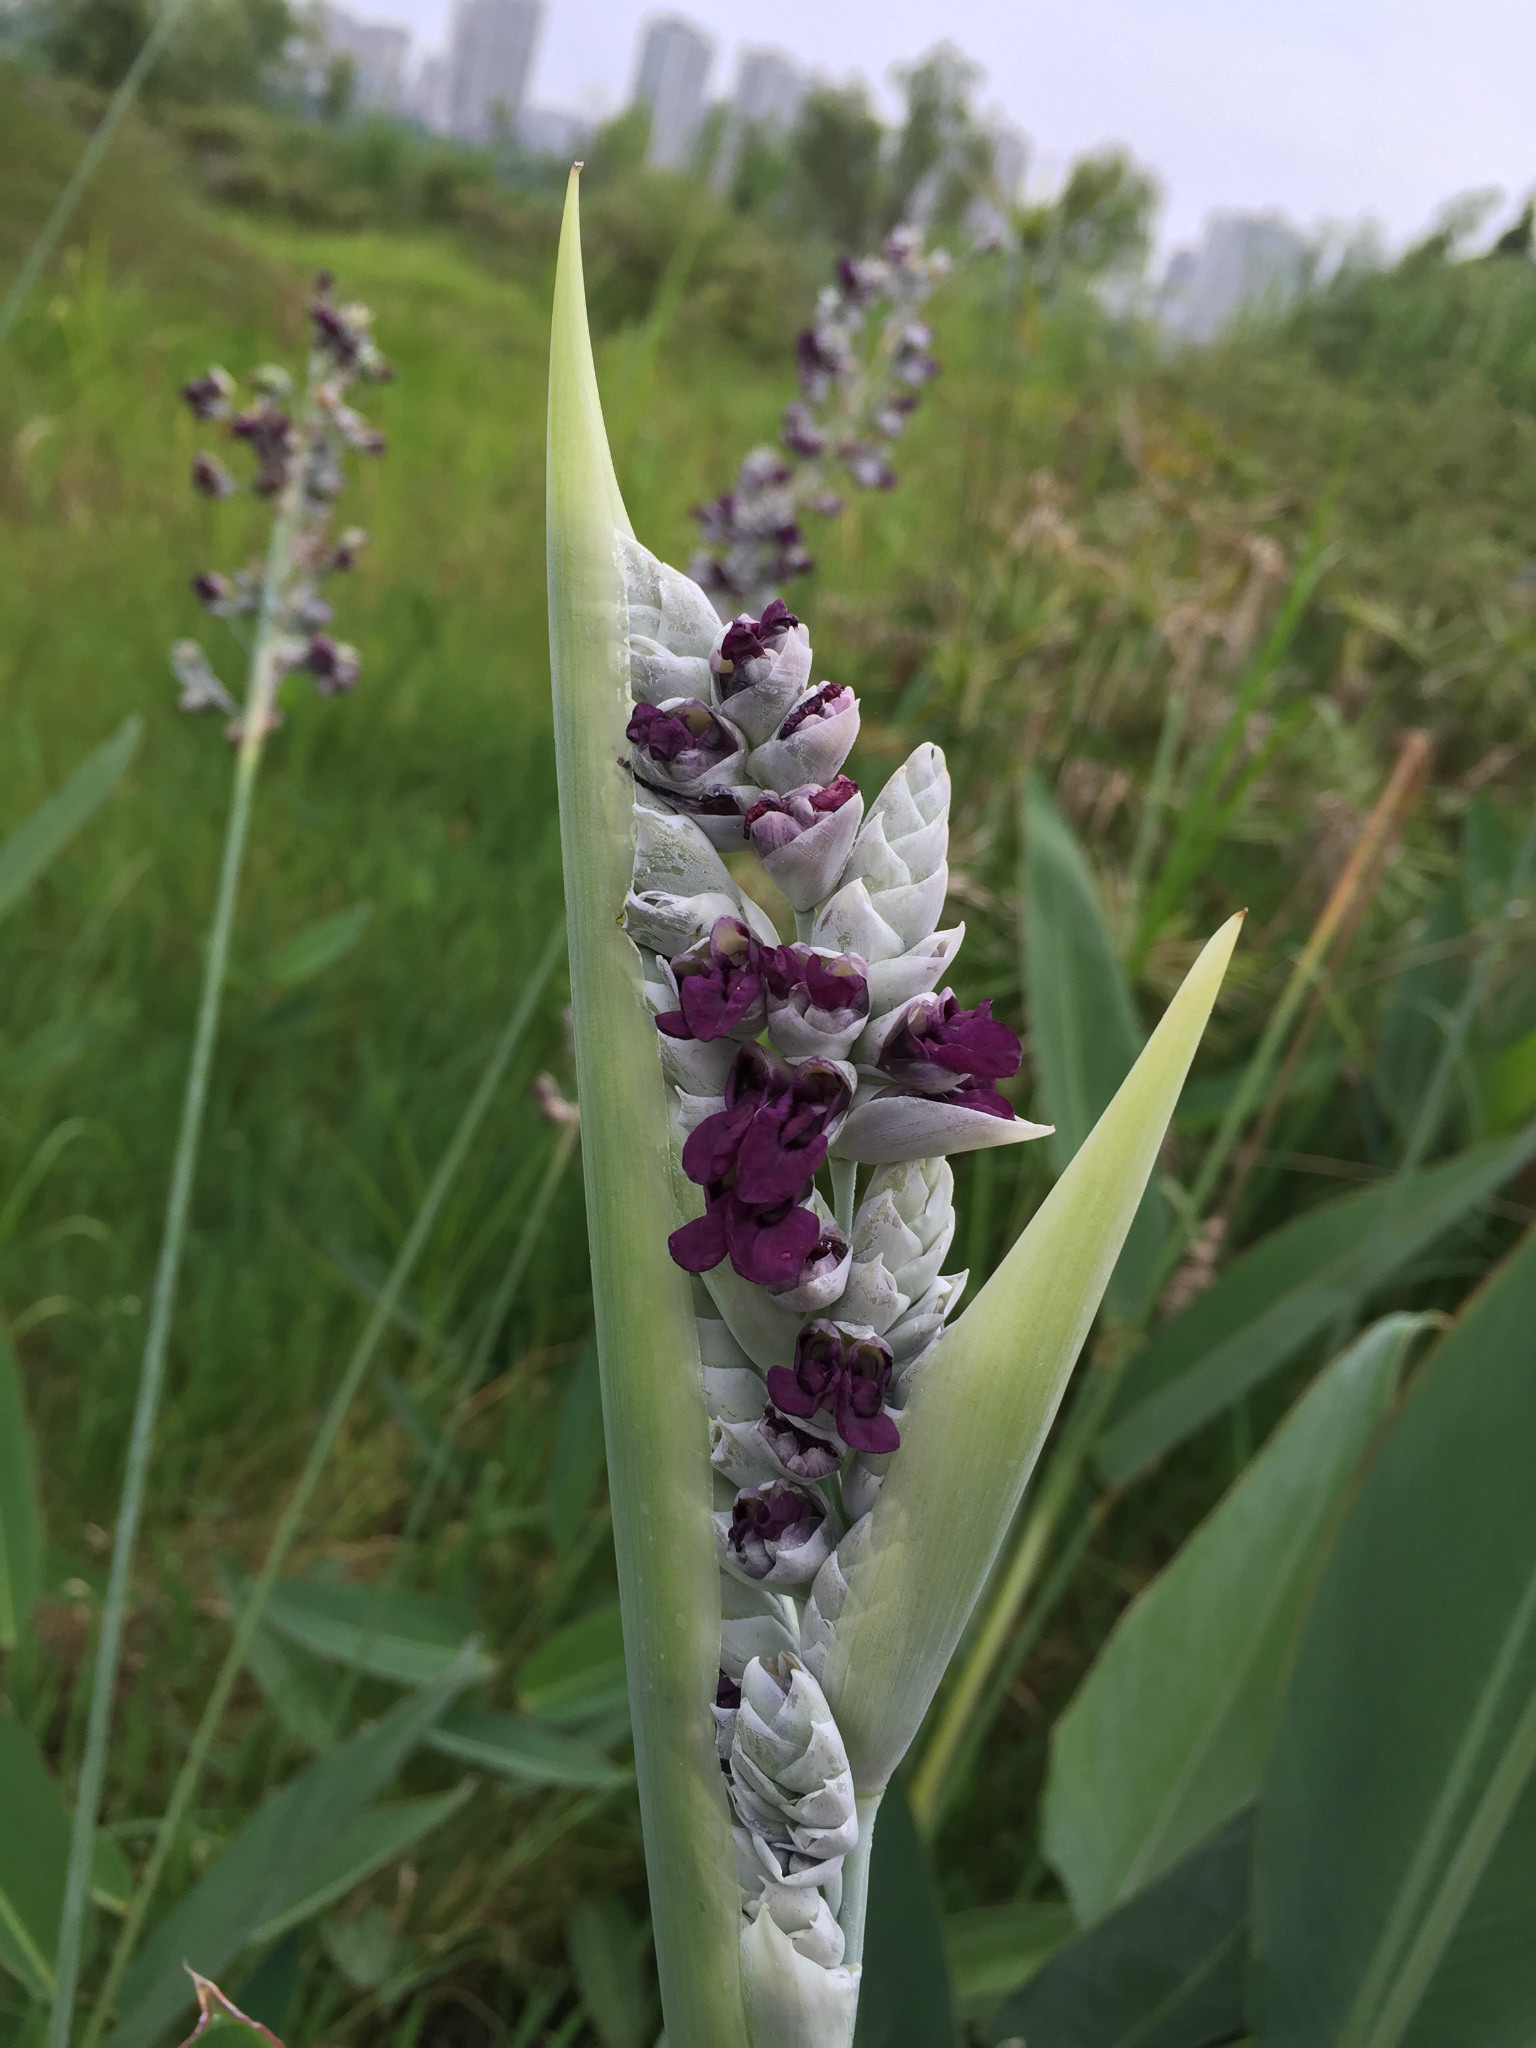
1332	111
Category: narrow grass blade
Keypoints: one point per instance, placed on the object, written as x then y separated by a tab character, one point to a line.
1084	1033
34	1848
1287	1290
524	1751
375	1838
271	1861
980	1412
33	845
1167	1970
1167	1736
1408	1740
606	1946
409	1638
653	1401
579	1673
21	1529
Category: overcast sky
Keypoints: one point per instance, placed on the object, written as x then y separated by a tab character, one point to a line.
1331	110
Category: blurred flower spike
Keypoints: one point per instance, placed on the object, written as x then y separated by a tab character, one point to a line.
297	451
860	365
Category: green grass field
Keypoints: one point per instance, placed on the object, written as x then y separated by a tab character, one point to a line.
1020	618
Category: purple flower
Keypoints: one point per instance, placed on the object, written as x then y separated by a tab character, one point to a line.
727	1693
799	1451
934	1043
746	651
800	431
818	1003
826	702
805	837
768	1246
213	590
334	666
210	478
869	468
845	1375
719	986
208	396
682	742
767	1519
822	1279
821	358
812	741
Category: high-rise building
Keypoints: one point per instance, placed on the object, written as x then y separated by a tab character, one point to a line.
377	53
1245	262
489	59
429	94
675	56
770	90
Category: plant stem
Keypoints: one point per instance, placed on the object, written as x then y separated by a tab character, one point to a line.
42	249
320	1448
260	693
856	1879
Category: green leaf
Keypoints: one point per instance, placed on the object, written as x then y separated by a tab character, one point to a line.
410	1638
1393	1898
375	1838
1166	1970
579	1673
905	1993
34	1849
525	1751
21	1534
33	845
606	1945
660	1481
271	1860
1287	1290
578	1460
1084	1033
978	1415
993	1950
111	1879
1167	1736
318	946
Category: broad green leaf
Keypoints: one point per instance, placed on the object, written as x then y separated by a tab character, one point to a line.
411	1638
302	1691
660	1481
606	1945
364	1948
1287	1290
1509	1084
905	1995
1165	1970
578	1459
34	844
365	1845
579	1673
525	1751
21	1540
270	1860
34	1849
318	946
979	1414
1394	1899
993	1950
1167	1736
1084	1033
111	1878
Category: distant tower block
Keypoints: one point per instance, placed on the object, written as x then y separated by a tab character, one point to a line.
488	64
770	90
675	56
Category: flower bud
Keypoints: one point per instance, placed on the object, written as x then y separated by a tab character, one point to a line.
656	674
812	742
670	924
334	665
727	1705
210	478
771	1446
776	1534
907	1220
861	1483
913	973
816	1001
760	666
199	689
828	1597
790	1780
801	1912
915	1332
804	838
791	2001
682	745
666	606
208	396
824	1275
755	1622
899	858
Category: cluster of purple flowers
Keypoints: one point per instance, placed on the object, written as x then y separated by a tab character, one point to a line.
297	465
860	374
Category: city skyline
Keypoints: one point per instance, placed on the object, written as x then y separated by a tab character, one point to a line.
1345	110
